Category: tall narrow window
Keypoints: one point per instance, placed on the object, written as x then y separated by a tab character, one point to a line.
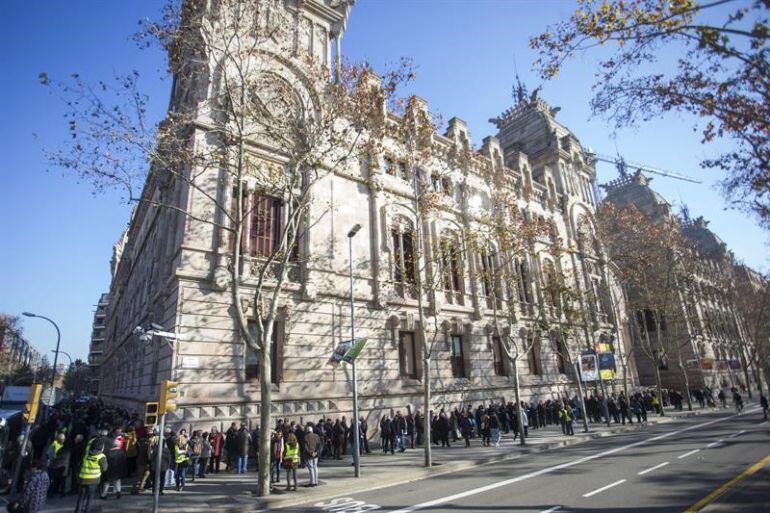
533	359
458	357
490	278
407	354
265	225
251	359
450	258
561	361
403	256
499	356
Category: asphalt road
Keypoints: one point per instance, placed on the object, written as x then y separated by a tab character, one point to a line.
665	468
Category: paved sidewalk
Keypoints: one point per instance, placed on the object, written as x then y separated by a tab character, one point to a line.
231	493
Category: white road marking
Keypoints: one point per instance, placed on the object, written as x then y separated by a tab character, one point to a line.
737	434
688	454
555	508
762	424
714	444
603	488
656	467
548	470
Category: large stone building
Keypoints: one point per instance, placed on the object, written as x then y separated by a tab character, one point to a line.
167	274
705	315
96	347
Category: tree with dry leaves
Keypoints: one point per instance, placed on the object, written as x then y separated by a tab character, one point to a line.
247	136
651	258
720	75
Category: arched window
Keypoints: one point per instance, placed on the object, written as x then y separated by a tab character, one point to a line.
534	357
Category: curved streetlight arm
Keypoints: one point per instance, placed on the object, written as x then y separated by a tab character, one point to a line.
58	341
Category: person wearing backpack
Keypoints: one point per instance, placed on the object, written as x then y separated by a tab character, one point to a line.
205	454
194	450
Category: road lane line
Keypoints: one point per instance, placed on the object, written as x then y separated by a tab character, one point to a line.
762	424
708	499
603	488
548	470
656	467
687	454
555	508
737	434
714	444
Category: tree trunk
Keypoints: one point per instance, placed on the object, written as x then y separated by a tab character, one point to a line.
517	397
265	400
686	387
580	396
660	388
426	438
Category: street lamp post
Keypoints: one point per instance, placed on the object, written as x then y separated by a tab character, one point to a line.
356	454
58	341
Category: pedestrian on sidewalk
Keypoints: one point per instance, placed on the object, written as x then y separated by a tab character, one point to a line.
217	444
276	456
566	416
386	429
311	451
33	495
400	426
466	429
181	460
205	454
291	461
363	427
194	450
230	447
159	444
116	469
94	466
242	444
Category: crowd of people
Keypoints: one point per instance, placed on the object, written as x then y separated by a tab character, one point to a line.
92	449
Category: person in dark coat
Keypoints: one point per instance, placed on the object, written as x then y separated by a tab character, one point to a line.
117	469
34	493
165	460
242	444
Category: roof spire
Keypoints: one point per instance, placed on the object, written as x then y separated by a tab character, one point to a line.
519	89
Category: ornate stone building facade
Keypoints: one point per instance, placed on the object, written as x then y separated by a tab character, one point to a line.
167	274
711	336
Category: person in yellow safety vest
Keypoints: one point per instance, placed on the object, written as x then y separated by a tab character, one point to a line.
58	464
567	416
291	460
94	466
181	460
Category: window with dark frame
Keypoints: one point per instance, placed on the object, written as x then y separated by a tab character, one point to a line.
261	223
450	258
251	358
403	255
533	359
458	356
407	354
499	356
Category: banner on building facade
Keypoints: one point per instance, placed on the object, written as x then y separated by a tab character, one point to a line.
339	352
707	364
354	351
607	368
734	364
346	351
589	367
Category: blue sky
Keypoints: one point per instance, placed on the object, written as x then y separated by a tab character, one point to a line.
57	236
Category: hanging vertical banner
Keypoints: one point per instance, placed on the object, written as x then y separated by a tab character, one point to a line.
589	367
607	368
